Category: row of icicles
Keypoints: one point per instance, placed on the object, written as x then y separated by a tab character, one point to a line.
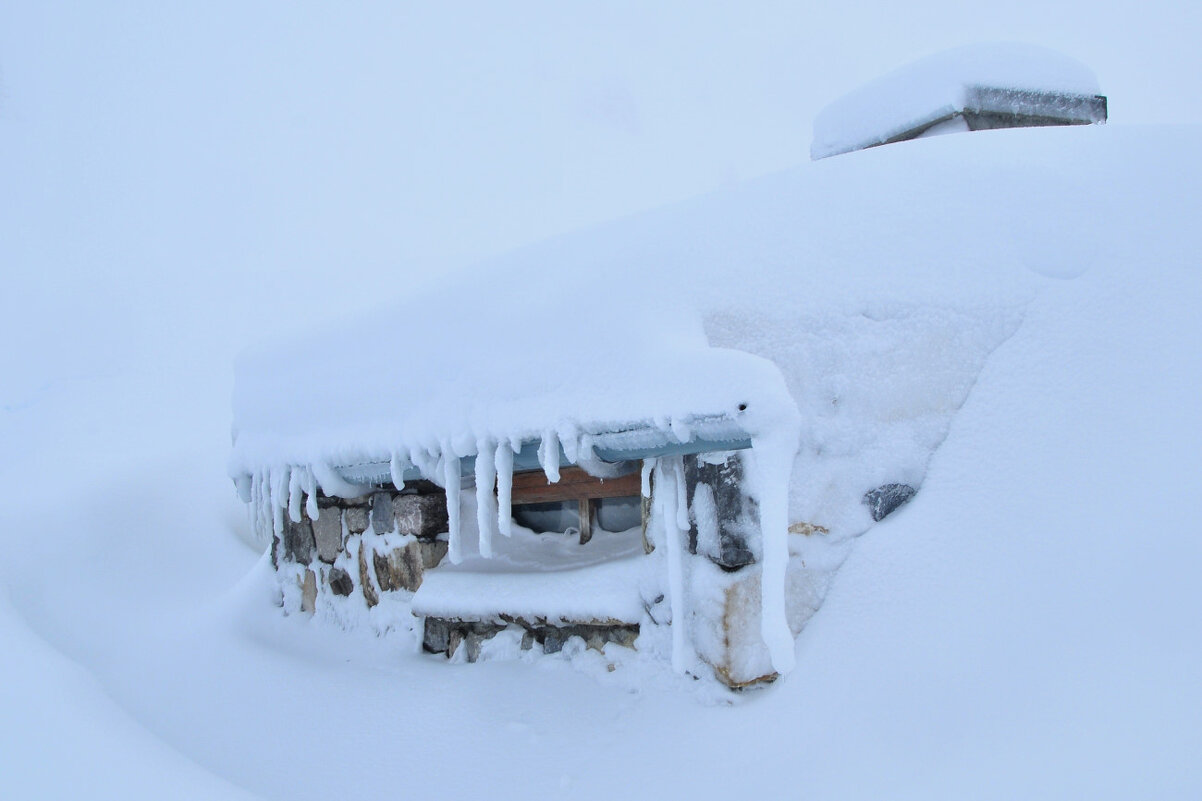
286	487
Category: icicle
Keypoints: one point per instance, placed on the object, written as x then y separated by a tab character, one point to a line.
310	482
427	464
265	505
397	467
503	464
295	493
334	484
254	507
279	499
486	504
548	455
263	509
569	439
451	476
682	500
648	466
770	463
243	484
667	490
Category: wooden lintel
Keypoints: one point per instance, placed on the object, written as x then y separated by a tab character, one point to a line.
574	485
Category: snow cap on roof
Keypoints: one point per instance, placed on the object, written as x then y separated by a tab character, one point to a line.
706	308
1028	84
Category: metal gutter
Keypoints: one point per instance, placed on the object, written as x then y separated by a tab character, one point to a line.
641	441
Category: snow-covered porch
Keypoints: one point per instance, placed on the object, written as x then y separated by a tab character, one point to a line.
599	549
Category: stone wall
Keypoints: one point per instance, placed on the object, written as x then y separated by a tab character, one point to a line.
723	582
361	549
359	554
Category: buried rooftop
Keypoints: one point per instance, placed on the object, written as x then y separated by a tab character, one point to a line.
982	87
658	438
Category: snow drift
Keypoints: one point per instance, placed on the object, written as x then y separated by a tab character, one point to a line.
1025	627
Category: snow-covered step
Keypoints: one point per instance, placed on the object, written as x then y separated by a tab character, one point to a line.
604	593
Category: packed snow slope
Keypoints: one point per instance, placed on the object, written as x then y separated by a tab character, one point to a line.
1026	627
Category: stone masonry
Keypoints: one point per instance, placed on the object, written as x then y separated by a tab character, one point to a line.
361	552
360	549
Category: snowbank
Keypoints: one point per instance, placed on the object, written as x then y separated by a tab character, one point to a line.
932	88
1025	627
864	292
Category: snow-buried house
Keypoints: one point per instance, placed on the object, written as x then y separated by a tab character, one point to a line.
664	433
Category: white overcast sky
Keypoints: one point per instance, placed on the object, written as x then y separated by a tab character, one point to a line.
217	170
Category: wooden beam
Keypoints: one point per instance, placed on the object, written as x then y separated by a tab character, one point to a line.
586	519
574	485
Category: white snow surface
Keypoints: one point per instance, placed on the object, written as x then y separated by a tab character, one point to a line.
924	91
540	576
605	591
1026	627
864	293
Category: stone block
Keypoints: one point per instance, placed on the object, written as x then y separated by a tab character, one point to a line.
309	592
369	589
328	530
725	530
454	640
553	640
399	569
356	519
340	582
381	513
885	499
475	636
402	568
808	529
745	661
298	541
432	552
436	635
422	516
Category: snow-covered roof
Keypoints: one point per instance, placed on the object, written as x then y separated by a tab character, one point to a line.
862	293
1015	81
